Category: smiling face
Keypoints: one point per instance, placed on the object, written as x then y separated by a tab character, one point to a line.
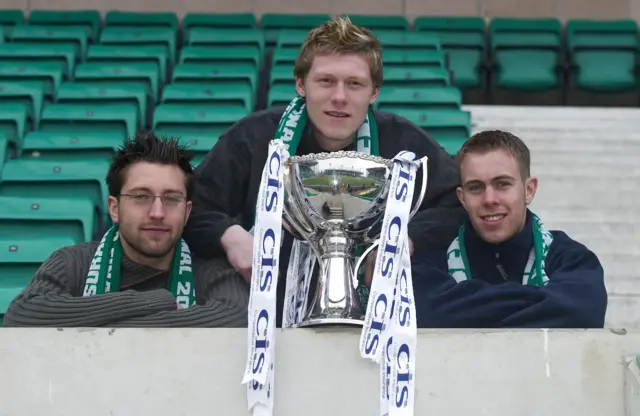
150	226
338	90
495	194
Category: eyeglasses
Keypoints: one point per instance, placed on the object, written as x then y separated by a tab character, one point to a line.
146	200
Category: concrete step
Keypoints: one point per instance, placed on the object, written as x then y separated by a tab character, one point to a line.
623	312
593	170
605	114
553	158
559	131
569	182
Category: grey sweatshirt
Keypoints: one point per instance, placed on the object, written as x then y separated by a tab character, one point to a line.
54	296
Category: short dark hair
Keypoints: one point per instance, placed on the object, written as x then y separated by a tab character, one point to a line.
147	147
489	140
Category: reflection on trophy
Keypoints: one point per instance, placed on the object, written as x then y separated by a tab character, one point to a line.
333	201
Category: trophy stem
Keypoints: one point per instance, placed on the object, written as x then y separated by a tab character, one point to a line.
335	300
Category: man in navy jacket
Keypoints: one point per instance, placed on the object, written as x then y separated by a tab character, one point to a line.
505	269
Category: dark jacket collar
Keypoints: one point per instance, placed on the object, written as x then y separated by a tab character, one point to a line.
491	262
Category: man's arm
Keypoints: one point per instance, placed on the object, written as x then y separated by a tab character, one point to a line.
223	302
220	191
48	299
436	224
575	296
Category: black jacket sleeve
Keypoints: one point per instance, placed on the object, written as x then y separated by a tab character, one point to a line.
220	191
436	224
575	296
48	300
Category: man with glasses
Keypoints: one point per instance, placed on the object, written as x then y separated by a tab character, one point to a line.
141	273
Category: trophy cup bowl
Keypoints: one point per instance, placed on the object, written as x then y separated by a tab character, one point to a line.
332	201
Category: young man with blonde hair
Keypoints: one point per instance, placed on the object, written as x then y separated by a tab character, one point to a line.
504	269
338	77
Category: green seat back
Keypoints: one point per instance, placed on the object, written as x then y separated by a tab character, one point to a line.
228	39
76	36
291	38
409	98
463	40
604	54
222	96
450	128
60	145
4	151
198	144
392	40
380	22
97	95
215	75
523	26
166	37
13	123
142	19
281	95
217	21
121	118
20	258
407	59
50	74
29	94
34	217
221	56
272	23
138	73
284	57
90	19
416	77
127	54
212	122
282	75
82	179
39	54
8	19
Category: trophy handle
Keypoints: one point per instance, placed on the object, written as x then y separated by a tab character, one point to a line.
364	256
423	187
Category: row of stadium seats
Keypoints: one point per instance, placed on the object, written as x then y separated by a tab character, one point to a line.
487	61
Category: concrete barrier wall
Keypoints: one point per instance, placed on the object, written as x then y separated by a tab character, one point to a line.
103	372
563	9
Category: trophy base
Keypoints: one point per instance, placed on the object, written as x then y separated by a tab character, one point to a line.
340	322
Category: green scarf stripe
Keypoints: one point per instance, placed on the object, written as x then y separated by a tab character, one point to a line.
105	269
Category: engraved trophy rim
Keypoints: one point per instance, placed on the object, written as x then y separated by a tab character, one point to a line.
339	154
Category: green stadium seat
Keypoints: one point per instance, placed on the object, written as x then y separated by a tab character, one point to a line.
138	73
4	151
39	54
450	128
29	94
217	21
228	39
281	95
604	58
179	120
125	55
59	179
463	40
215	75
222	96
398	99
89	19
19	260
99	95
281	75
272	23
144	36
380	22
221	56
45	145
33	217
416	77
76	36
121	118
403	59
198	144
527	54
13	123
284	57
291	39
409	41
8	19
142	19
49	74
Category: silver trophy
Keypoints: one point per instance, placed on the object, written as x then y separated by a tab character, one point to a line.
332	202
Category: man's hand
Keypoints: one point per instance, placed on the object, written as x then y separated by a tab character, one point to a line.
370	262
238	244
